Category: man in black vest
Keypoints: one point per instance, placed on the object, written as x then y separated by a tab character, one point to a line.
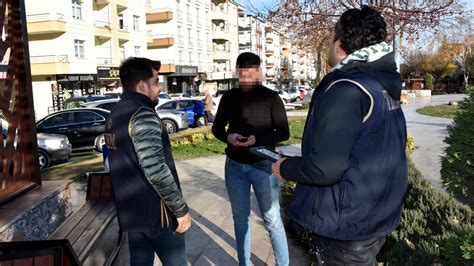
150	204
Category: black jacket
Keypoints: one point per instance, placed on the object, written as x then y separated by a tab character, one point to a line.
144	177
259	112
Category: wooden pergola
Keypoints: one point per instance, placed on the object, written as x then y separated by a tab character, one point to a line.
19	170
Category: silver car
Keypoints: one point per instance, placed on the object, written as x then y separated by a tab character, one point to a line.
51	147
173	121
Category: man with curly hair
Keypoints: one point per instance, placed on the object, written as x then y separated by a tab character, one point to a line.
352	175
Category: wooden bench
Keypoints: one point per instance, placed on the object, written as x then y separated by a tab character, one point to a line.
77	237
38	253
84	227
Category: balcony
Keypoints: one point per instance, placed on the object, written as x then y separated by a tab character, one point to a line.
49	64
46	23
123	35
269	52
167	67
102	29
221	35
102	2
161	41
121	5
270	65
221	55
159	15
219	15
269	39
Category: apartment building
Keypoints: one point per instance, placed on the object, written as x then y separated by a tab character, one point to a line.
251	35
275	63
181	39
225	44
76	48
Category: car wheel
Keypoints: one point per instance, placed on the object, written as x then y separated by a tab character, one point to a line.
200	121
99	141
297	99
285	101
43	159
169	125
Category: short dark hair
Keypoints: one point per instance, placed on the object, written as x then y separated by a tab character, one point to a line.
135	69
248	60
359	28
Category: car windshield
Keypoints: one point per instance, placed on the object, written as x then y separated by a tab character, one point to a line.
164	96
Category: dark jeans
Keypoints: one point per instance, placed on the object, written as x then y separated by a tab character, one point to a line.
336	252
168	245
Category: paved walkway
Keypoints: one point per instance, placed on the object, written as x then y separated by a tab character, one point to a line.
211	241
429	134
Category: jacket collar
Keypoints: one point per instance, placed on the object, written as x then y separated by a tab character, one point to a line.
131	95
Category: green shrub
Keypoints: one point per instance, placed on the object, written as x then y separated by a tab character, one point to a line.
429	82
457	166
434	228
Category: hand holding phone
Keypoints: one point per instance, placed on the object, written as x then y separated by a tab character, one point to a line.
242	139
238	140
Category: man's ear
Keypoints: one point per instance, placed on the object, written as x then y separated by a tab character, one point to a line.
339	51
141	86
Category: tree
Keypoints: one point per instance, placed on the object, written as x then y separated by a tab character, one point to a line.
310	21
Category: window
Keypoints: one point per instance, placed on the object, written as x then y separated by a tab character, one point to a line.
76	9
120	19
122	53
55	121
79	49
186	104
190	57
190	38
180	57
85	117
137	51
136	23
169	106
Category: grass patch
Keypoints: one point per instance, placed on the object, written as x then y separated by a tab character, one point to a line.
445	110
74	170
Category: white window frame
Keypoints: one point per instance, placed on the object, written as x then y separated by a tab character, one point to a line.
76	9
137	50
79	48
136	23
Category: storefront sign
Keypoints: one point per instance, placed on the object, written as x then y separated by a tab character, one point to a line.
108	73
186	71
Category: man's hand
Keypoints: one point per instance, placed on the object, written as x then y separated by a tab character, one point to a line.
276	166
233	139
184	223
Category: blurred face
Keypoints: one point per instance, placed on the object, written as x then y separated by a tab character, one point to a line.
151	87
249	76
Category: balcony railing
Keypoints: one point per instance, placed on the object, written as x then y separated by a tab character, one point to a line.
37	59
161	41
45	17
159	15
99	23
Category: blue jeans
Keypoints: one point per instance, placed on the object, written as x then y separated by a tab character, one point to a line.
238	179
168	245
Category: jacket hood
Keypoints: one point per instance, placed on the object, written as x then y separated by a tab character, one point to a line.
384	70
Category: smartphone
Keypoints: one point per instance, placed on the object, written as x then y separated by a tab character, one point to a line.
242	139
266	153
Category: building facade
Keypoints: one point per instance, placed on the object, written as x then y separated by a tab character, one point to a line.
181	38
74	53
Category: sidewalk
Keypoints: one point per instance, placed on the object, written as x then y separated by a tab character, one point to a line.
211	241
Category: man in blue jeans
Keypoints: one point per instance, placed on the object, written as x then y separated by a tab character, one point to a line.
254	116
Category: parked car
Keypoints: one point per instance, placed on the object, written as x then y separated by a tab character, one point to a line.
52	148
77	101
173	121
294	93
163	97
285	97
180	95
84	127
194	108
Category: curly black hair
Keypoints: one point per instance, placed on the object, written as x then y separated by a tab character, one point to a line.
359	28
